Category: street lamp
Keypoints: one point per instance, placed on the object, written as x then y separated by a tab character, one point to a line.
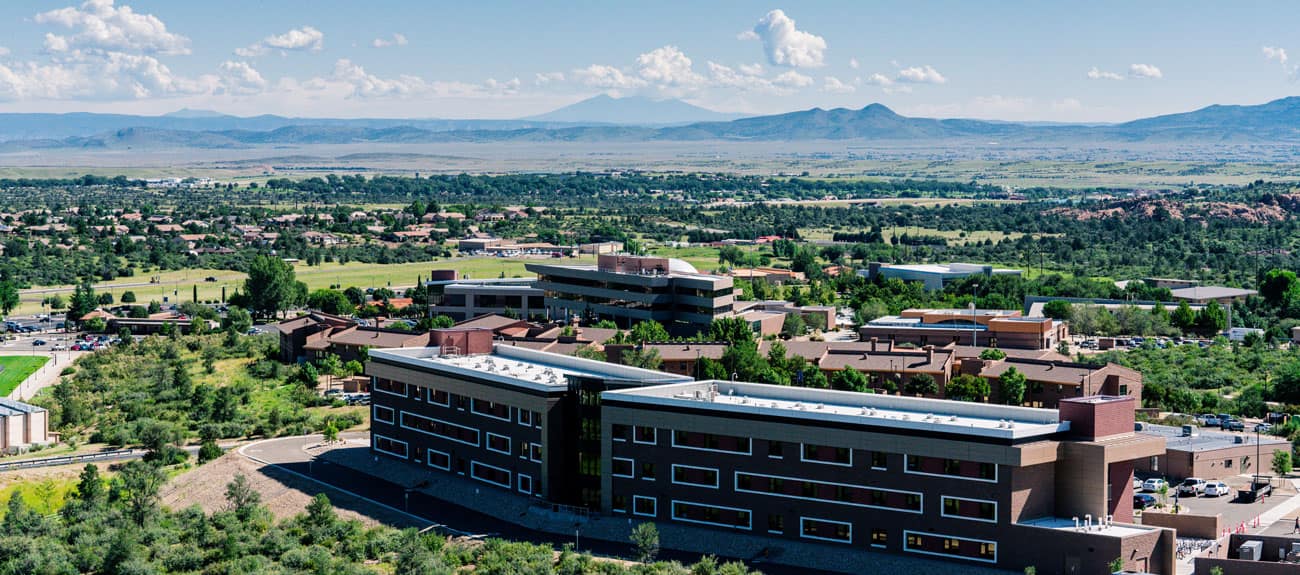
974	324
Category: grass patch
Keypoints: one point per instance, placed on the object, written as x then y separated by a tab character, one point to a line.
16	369
45	496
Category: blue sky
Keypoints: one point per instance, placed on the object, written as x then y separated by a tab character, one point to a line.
1096	61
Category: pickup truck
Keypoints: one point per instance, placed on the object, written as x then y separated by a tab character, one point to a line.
1259	487
1234	425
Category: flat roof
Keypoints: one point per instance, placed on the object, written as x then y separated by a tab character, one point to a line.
1205	440
521	367
671	273
1068	524
952	268
916	322
1210	292
903	413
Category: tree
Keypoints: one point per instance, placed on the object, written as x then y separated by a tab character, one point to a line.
921	384
241	497
1282	462
355	295
8	297
642	358
209	450
413	557
238	320
331	432
330	365
732	330
271	286
645	538
649	330
96	325
794	326
330	301
82	302
137	487
993	353
1183	317
967	387
1012	383
127	297
90	488
353	368
1058	309
1212	319
442	322
849	379
1279	287
56	302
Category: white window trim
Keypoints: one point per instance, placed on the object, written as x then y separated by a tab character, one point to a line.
835	463
996	548
654	502
736	487
749	446
946	476
429	460
428	398
672	512
717	476
402	395
531	450
942	513
519	417
478	436
628	459
519	479
886	468
819	519
488	444
475	465
877	545
474	401
616	439
374	414
654	441
406	455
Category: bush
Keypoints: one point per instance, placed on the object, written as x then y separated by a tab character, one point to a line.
209	451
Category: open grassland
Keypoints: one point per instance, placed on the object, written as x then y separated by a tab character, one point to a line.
16	369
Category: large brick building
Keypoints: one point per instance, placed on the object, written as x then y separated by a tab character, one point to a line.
991	328
976	484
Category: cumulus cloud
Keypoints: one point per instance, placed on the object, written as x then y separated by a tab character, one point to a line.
754	69
1144	71
1097	74
100	25
833	85
667	68
241	77
3	51
1278	54
606	78
853	63
786	45
544	78
920	75
887	84
367	85
398	39
792	79
99	76
298	39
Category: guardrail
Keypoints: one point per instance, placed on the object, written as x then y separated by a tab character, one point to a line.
66	459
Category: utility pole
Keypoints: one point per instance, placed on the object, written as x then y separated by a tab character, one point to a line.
974	324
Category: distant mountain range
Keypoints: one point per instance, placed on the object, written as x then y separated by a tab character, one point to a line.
637	119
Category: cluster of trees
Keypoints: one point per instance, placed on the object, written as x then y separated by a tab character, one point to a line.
1132	320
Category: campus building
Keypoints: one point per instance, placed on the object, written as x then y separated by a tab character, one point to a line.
934	276
1208	454
991	328
976	484
470	299
628	289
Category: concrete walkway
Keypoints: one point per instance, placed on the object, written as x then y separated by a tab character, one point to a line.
46	376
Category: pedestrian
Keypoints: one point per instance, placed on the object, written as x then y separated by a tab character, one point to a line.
1297	525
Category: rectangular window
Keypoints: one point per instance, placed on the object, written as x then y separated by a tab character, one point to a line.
644	506
439	428
711	442
535	452
390	446
384	414
621	467
825	530
525	484
439	397
775	449
879	538
489	474
775	523
711	515
648	435
647	470
828	455
438	459
490	409
525	417
618	432
841	493
498	443
955	468
696	476
389	386
879	461
588	464
973	509
619	504
951	547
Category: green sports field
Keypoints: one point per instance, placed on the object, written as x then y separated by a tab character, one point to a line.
16	369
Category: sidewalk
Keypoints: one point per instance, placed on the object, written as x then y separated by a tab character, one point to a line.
46	376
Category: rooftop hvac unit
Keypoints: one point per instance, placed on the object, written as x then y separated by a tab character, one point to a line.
1238	439
1250	551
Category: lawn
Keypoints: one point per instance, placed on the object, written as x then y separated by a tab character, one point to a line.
16	369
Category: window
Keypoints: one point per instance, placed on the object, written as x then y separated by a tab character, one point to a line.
951	544
829	455
879	537
1227	462
535	452
957	468
711	442
775	523
825	530
457	433
389	386
525	484
989	551
618	432
1123	389
390	446
619	504
489	474
498	443
775	449
589	429
525	418
588	464
974	509
711	514
697	476
438	459
385	414
879	461
439	397
952	547
621	467
645	435
841	493
647	470
491	409
644	506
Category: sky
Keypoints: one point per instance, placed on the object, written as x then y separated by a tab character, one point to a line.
1099	61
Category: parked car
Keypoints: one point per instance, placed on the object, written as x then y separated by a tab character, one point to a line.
1216	488
1154	484
210	279
1263	427
1192	486
58	347
1143	501
1137	484
39	342
1234	425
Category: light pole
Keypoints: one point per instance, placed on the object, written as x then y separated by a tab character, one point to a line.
974	324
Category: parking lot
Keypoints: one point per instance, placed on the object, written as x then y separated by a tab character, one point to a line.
1234	512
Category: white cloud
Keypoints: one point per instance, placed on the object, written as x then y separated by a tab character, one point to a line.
920	75
786	45
510	86
3	51
1144	71
55	43
398	39
100	25
792	79
1097	74
754	69
667	68
833	85
99	76
544	78
367	85
298	39
607	78
241	77
879	79
853	63
1278	54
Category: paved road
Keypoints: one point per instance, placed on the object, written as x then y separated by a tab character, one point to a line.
288	453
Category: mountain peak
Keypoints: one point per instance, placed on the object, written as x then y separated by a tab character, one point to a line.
191	113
